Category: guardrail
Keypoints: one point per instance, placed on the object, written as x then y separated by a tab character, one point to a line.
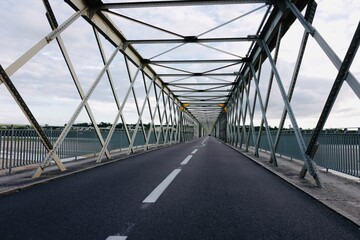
20	147
337	151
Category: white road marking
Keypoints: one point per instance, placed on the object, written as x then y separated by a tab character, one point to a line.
204	140
186	160
116	238
155	194
193	152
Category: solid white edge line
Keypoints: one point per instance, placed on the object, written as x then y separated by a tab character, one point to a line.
186	160
193	152
116	238
155	194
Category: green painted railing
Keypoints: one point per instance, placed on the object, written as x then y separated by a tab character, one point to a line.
20	147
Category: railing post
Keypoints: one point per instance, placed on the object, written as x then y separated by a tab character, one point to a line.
11	148
358	153
76	144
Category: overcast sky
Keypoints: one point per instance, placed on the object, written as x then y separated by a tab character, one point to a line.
46	86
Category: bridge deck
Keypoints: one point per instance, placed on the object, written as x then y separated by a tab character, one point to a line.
216	194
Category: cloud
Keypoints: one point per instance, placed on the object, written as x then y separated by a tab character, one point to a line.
47	87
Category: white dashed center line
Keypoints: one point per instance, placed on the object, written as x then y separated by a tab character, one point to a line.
116	238
155	194
186	160
204	141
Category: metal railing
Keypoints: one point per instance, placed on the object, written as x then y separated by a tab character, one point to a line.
337	151
20	147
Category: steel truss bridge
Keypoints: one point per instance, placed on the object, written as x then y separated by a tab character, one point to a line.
163	76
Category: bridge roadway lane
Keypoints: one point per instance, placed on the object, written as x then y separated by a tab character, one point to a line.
217	194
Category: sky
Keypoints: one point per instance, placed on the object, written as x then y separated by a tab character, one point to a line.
45	83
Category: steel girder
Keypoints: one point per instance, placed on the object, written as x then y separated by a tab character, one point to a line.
177	3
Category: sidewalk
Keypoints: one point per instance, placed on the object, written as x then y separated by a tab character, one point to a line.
340	192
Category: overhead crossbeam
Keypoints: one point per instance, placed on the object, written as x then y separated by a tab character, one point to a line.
197	74
192	39
105	26
200	84
147	61
178	3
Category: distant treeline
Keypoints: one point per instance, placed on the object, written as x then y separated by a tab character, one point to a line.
107	125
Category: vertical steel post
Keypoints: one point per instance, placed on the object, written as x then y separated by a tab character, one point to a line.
11	149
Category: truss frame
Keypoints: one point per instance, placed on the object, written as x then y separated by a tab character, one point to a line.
202	99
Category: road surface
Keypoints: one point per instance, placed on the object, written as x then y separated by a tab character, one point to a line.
196	190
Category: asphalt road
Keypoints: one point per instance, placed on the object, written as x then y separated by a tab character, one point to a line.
197	190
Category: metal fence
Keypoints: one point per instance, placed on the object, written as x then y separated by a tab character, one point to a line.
337	151
20	147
